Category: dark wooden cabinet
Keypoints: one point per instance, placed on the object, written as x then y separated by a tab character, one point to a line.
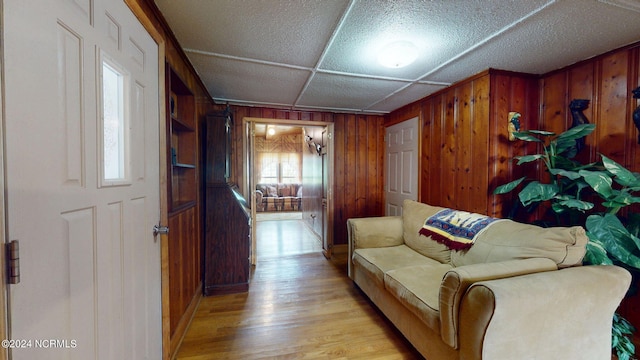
182	246
227	220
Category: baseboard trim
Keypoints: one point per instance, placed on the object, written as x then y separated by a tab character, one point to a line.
183	324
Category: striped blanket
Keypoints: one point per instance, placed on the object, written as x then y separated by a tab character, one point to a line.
456	229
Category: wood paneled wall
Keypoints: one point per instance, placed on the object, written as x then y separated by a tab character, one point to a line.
465	150
359	165
606	81
359	151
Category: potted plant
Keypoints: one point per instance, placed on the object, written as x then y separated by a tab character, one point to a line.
571	189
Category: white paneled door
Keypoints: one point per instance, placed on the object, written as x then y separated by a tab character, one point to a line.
401	170
82	185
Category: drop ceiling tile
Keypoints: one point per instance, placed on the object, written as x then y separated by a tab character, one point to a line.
284	31
346	92
440	29
249	82
405	96
564	33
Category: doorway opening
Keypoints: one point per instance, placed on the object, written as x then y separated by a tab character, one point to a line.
289	181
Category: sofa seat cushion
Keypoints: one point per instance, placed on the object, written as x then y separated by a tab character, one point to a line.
377	261
418	289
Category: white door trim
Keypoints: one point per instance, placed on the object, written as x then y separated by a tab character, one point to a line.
4	315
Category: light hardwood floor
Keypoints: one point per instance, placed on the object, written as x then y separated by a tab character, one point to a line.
299	306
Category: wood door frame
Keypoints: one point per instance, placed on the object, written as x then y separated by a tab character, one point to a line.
248	181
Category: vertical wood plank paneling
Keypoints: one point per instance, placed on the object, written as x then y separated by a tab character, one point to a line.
339	142
479	169
426	154
500	148
437	150
449	187
612	109
554	116
581	86
373	179
361	164
464	146
465	151
350	167
554	103
518	93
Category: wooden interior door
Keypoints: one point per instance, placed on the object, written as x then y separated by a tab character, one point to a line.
401	170
82	182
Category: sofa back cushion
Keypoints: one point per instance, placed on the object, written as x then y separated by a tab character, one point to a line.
510	240
414	215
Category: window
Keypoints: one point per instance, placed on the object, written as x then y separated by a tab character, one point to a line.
114	124
279	168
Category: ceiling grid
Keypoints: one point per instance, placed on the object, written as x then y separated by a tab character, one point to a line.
321	55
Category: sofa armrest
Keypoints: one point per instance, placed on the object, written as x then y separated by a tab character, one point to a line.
564	314
373	232
457	280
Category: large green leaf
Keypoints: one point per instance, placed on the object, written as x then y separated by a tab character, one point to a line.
599	181
567	140
576	132
577	204
540	132
633	224
620	199
503	189
563	145
623	176
573	175
526	136
596	254
528	158
537	192
618	242
562	162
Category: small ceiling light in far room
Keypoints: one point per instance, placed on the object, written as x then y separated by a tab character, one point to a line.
271	131
398	54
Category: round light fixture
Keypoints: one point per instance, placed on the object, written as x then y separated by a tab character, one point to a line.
398	54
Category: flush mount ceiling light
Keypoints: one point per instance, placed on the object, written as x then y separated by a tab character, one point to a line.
398	54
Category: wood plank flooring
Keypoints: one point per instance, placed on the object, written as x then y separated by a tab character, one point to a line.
298	307
285	237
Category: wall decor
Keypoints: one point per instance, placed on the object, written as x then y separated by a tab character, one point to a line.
577	106
513	124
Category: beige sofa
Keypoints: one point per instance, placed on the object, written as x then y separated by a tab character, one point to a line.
519	291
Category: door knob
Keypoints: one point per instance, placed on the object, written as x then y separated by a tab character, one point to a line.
157	229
